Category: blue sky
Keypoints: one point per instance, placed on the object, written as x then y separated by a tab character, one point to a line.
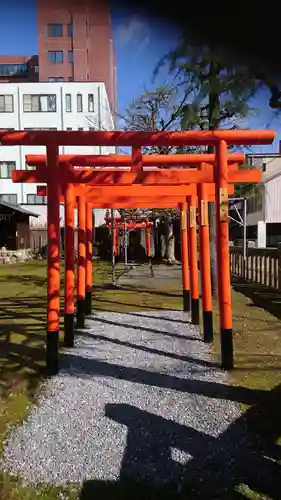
139	44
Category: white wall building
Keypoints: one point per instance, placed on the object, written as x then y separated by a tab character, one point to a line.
264	209
48	106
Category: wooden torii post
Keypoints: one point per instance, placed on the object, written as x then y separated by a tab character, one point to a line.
220	139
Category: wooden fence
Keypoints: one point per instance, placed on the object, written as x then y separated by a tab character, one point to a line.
39	238
262	265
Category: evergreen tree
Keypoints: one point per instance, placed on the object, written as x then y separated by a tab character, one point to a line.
219	96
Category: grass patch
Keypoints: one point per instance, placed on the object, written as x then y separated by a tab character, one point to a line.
257	344
257	351
257	341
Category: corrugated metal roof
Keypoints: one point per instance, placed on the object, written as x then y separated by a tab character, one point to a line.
17	208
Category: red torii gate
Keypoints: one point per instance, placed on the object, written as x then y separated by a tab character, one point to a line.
158	201
220	139
153	192
117	223
103	192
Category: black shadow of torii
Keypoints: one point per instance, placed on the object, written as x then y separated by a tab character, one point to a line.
216	465
244	453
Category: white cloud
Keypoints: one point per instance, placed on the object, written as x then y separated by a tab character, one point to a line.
136	31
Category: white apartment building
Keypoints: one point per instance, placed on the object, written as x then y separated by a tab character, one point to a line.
48	106
264	208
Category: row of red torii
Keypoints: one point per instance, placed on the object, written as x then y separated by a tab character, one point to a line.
96	181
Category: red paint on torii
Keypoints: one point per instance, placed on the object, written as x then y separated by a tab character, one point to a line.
121	194
220	139
131	225
143	177
140	138
158	160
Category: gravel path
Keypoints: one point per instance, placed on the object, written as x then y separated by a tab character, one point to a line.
163	275
138	396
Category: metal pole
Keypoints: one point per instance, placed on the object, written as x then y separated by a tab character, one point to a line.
113	252
245	237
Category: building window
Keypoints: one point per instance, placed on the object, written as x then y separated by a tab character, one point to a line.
53	79
69	30
33	103
68	103
41	128
68	128
35	199
91	128
70	56
80	128
79	103
70	79
6	103
10	198
54	30
55	56
36	69
13	69
6	168
90	103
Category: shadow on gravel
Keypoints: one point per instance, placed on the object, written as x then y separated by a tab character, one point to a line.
88	367
139	306
160	317
193	464
157	317
150	350
190	463
146	329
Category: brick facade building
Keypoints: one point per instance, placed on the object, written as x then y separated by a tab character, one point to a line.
75	43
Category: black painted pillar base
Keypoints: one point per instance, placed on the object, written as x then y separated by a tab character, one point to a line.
80	313
69	330
88	303
195	319
208	333
52	352
227	361
186	300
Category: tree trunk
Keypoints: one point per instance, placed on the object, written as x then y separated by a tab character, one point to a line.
169	240
214	123
163	246
157	242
